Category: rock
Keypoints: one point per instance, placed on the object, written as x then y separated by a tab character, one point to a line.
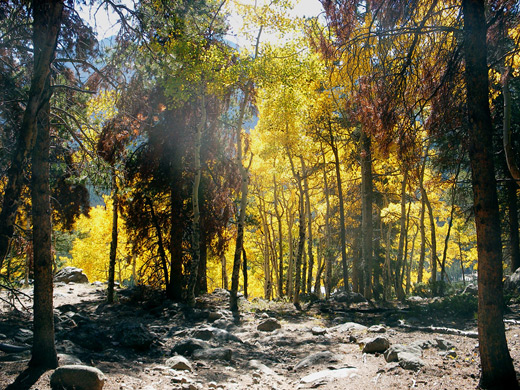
318	331
213	354
88	335
316	358
444	344
188	346
329	374
97	283
68	360
269	325
415	299
24	336
71	275
377	329
214	315
77	378
376	344
134	335
423	344
392	353
350	326
349	297
256	365
450	354
179	363
208	333
409	361
512	282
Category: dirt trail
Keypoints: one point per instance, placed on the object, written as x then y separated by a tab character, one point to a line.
131	341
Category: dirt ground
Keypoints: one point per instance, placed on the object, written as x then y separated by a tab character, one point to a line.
260	360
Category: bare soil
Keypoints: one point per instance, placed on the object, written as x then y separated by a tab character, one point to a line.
276	353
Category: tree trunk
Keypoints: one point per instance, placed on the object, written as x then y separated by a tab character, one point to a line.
196	230
310	264
47	15
301	235
160	244
367	230
202	275
174	288
113	243
514	241
422	228
44	349
280	239
402	235
224	271
343	233
244	272
244	175
496	364
433	242
328	233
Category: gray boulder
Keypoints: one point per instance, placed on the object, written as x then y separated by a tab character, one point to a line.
269	325
377	329
71	275
188	346
213	354
77	378
410	361
512	282
444	345
351	326
134	335
208	332
349	297
376	344
316	358
392	354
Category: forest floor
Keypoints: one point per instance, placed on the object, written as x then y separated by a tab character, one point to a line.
132	339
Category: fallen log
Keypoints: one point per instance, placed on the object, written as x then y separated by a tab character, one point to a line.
438	329
8	348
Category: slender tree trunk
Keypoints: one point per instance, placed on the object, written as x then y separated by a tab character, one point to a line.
309	227
160	244
224	271
402	236
366	214
343	233
448	233
196	232
47	16
433	242
422	228
244	174
244	272
280	239
410	264
301	235
44	349
202	277
290	270
514	241
175	286
113	242
496	364
328	234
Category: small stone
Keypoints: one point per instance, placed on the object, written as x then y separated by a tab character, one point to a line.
316	358
269	325
377	329
392	354
444	344
179	363
318	331
376	344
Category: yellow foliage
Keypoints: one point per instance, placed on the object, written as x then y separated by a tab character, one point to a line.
91	250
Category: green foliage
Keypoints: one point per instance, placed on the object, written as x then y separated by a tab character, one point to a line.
464	305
